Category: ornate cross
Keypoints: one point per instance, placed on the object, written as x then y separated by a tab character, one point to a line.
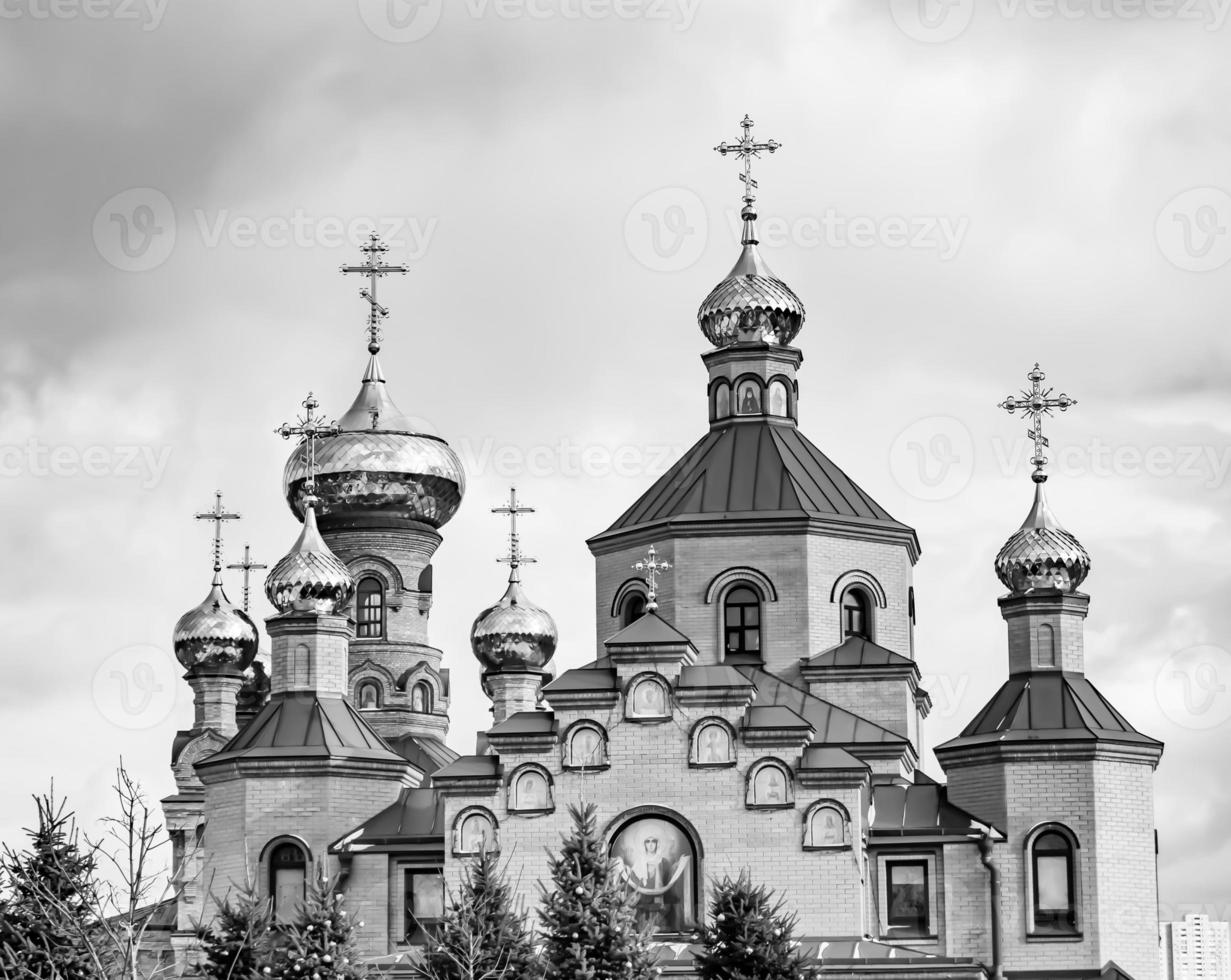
514	559
1034	404
374	268
312	429
247	565
651	566
747	148
217	515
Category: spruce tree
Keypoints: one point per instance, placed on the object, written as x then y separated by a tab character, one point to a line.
588	916
236	946
481	936
320	943
749	936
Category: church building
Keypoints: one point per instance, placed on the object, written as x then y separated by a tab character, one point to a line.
752	701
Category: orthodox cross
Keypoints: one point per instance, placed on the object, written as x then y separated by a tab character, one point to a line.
746	149
1034	404
651	566
217	515
515	558
312	429
374	267
247	565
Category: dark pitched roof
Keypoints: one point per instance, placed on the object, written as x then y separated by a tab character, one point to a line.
832	724
901	809
470	767
1048	706
773	717
855	651
648	630
829	757
755	468
418	815
525	723
583	679
711	675
304	725
425	752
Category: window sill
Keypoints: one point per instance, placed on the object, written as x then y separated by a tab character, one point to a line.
770	806
710	765
1054	937
541	811
569	767
909	938
827	847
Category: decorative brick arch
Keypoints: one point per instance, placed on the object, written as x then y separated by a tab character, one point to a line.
741	575
857	576
627	588
380	567
422	671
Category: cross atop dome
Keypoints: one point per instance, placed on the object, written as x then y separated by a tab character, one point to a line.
217	515
651	566
374	267
746	148
1034	404
312	429
514	559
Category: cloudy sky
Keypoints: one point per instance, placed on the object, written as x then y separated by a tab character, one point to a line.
962	191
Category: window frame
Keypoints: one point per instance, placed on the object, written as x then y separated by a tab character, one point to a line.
380	694
634	596
429	696
459	822
694	744
743	628
919	926
513	802
423	929
630	693
750	801
865	605
381	607
567	760
809	837
272	868
1051	931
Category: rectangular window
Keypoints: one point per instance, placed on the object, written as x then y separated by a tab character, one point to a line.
425	903
369	609
906	893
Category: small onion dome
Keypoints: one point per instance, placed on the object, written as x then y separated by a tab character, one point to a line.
1041	554
751	304
382	463
310	578
215	633
514	634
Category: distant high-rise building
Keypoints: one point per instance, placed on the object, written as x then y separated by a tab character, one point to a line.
1196	949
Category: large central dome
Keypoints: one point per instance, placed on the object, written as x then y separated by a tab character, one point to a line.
380	465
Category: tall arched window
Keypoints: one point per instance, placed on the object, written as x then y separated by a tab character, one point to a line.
1053	903
421	698
632	609
288	878
856	614
778	400
722	400
742	621
656	858
370	609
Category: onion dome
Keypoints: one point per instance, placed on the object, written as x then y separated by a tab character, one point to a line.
1041	554
310	578
215	633
380	464
514	634
751	304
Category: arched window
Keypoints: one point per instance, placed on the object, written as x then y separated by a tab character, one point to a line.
370	608
769	785
647	698
658	860
1047	645
632	609
474	831
1053	902
778	400
421	698
288	879
826	826
856	614
722	400
712	744
585	747
369	695
742	621
530	791
748	398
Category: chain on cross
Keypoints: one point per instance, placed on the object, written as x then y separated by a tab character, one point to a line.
311	429
1034	404
247	565
217	515
747	148
651	566
374	267
514	559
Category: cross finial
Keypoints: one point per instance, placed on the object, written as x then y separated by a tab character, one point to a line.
747	148
217	515
374	267
514	559
651	566
1035	403
247	565
312	429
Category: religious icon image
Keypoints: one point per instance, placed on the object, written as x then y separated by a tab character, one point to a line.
722	401
368	696
655	858
749	398
713	744
531	791
476	834
828	827
418	698
769	786
586	747
649	700
777	399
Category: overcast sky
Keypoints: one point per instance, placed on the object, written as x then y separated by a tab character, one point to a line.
961	192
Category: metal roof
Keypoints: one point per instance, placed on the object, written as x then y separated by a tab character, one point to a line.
648	630
921	809
525	723
832	724
856	651
424	752
417	815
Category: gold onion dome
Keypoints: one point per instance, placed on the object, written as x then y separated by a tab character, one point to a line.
310	578
1041	554
751	303
381	463
215	634
514	634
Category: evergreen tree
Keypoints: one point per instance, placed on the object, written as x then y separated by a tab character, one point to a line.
236	946
749	936
589	914
481	936
320	943
46	893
